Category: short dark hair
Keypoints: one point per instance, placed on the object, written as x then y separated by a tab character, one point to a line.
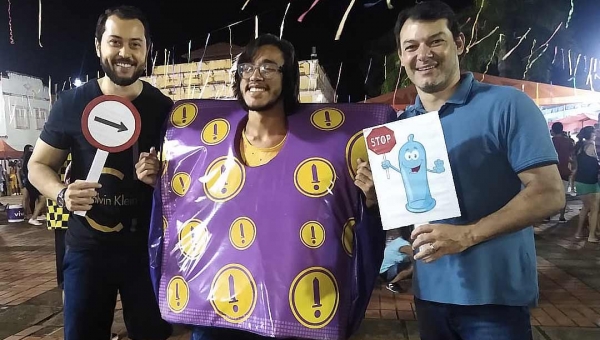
427	11
125	13
290	70
557	127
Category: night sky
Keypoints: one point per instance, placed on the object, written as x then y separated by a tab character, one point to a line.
68	33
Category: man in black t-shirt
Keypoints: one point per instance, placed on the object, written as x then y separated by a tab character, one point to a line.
107	248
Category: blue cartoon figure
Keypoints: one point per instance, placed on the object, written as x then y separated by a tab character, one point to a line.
412	160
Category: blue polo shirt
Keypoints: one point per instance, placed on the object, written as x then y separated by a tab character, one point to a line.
492	134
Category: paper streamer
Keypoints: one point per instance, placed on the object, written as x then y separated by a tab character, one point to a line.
338	81
246	4
12	40
200	64
590	79
255	27
40	24
519	43
555	52
300	18
343	22
385	67
469	45
283	20
529	59
368	70
570	14
482	39
562	51
493	54
397	84
538	57
570	64
50	89
549	39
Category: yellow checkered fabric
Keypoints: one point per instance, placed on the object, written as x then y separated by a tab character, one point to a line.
57	217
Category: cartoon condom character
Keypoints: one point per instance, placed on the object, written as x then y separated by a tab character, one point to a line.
412	160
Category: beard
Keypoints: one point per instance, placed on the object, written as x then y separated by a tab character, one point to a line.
121	81
258	108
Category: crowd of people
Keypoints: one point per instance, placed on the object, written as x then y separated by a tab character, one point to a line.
579	169
474	276
15	182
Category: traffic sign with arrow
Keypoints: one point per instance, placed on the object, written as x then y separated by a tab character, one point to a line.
111	124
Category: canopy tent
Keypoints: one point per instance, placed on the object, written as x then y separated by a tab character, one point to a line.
542	94
577	122
7	152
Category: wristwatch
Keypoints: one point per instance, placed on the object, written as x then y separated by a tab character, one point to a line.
60	199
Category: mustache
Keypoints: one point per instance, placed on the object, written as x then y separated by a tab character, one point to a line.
125	61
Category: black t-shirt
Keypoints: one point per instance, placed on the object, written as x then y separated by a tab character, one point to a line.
120	215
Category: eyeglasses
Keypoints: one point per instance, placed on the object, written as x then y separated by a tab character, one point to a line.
266	70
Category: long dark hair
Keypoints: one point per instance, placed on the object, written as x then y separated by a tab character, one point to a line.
291	70
584	135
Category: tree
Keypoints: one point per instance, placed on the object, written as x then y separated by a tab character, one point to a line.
538	18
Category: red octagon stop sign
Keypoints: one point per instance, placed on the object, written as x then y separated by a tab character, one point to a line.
381	140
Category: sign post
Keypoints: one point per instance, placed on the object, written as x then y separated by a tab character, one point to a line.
112	124
381	140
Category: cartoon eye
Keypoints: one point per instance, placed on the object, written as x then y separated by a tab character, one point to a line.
407	155
415	154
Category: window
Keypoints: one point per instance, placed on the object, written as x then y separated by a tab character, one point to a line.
21	118
41	116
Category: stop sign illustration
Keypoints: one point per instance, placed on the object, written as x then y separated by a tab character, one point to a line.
381	140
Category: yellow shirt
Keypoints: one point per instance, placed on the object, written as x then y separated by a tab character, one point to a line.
254	156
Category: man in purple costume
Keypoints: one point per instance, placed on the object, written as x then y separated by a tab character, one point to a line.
267	87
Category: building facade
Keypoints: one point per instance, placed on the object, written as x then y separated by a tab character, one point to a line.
24	108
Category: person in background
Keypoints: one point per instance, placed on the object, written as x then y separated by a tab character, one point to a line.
586	182
397	264
32	199
564	148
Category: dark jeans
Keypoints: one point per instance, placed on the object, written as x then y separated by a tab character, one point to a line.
91	282
438	321
212	333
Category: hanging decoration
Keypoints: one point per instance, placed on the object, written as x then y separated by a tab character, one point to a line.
300	18
528	65
12	40
245	4
283	20
397	84
337	83
255	27
385	67
500	37
482	39
40	24
368	70
343	22
469	45
570	13
555	52
519	43
590	79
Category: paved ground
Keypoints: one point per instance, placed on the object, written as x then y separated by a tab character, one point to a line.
569	275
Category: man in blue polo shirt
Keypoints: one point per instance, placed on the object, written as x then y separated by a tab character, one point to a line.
475	275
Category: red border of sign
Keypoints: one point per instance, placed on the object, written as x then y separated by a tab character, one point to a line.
86	116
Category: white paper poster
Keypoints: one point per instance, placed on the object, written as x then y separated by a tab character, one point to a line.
411	171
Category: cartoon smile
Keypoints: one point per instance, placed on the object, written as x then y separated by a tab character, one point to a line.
415	169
